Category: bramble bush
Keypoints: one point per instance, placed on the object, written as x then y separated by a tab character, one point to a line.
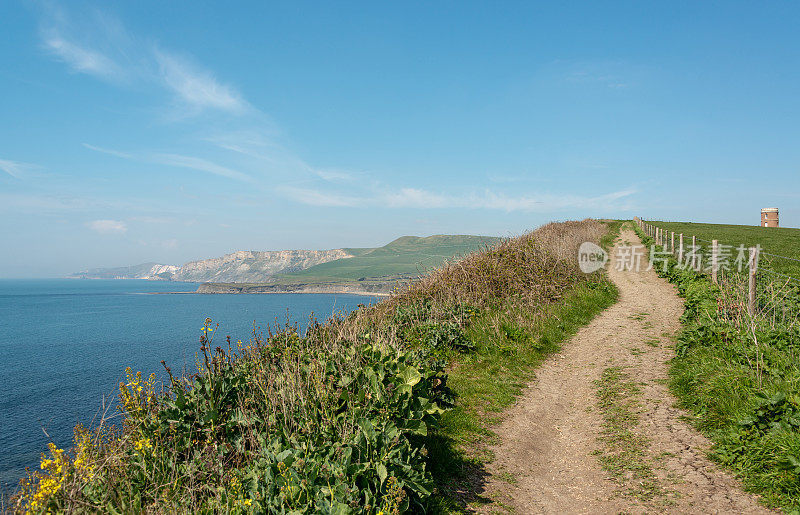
268	427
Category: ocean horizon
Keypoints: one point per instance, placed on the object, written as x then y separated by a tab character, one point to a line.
67	343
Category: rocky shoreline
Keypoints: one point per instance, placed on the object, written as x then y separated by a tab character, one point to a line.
377	289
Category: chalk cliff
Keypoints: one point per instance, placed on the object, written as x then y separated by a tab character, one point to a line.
243	266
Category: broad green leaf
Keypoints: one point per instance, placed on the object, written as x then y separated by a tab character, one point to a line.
411	376
382	472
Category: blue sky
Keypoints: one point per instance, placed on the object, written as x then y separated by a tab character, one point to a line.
170	131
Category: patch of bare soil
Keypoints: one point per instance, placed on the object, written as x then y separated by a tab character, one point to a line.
550	451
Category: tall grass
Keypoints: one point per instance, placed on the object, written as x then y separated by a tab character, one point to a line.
345	417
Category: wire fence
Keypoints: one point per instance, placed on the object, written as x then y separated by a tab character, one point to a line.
758	288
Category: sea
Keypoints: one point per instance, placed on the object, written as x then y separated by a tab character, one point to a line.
65	344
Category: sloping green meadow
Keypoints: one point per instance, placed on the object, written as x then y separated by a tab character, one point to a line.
780	241
375	412
405	256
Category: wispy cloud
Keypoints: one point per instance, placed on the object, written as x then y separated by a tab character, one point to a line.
79	58
39	203
94	44
15	169
418	198
108	226
99	45
314	197
605	74
195	87
332	175
177	160
108	151
199	164
422	199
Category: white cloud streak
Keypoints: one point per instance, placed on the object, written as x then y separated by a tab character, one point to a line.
421	199
195	87
101	47
179	161
334	175
108	151
199	164
108	226
15	169
313	197
81	59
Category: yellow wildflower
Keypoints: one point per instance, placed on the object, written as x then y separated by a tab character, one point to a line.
142	444
56	470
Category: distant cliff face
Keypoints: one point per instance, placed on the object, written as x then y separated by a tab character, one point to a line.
250	266
238	267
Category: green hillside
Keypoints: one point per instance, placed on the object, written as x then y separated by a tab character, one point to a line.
408	255
780	241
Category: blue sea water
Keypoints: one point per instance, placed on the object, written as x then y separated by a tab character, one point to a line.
65	345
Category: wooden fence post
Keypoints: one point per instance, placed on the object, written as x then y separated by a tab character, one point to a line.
714	260
694	254
751	282
680	250
672	243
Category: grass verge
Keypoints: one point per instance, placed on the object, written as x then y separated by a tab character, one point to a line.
624	451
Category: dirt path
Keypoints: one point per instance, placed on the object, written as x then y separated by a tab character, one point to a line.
551	459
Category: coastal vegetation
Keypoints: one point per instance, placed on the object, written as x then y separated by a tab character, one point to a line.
377	411
737	372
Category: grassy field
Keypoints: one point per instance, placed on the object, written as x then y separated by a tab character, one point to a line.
778	241
405	256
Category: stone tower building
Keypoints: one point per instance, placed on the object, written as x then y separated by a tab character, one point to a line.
769	217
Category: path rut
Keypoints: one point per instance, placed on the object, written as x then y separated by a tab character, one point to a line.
548	438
